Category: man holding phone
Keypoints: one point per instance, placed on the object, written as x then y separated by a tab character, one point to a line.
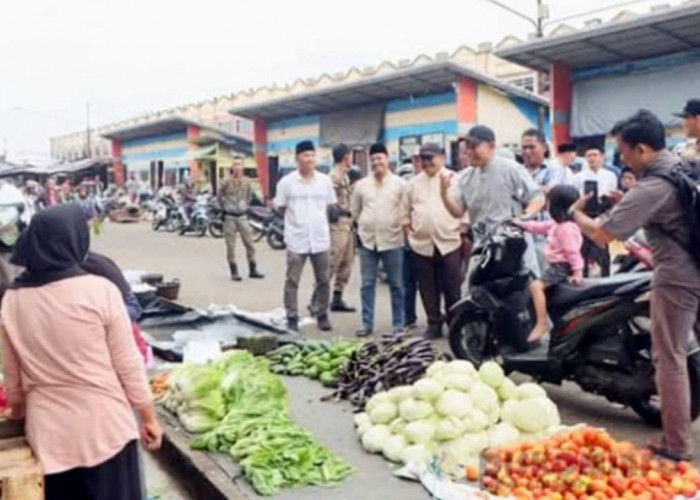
599	183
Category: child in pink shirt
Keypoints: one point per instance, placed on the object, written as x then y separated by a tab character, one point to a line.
563	251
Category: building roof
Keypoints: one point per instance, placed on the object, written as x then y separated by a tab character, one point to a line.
419	80
169	125
662	32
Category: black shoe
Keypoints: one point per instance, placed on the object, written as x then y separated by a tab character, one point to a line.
339	305
324	323
234	272
363	332
434	331
254	273
311	310
293	324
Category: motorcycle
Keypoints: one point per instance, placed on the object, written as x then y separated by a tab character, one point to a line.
216	218
166	214
269	224
640	255
601	334
198	220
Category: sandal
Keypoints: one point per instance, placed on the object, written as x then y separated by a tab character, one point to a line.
659	448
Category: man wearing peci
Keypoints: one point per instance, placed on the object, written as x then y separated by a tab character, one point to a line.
305	196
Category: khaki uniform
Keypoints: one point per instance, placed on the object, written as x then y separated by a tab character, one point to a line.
235	196
342	236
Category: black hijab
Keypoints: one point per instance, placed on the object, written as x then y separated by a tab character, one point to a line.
53	248
101	265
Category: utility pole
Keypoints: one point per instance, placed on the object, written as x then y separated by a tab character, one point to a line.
87	131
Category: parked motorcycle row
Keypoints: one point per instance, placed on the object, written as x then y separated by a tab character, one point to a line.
206	215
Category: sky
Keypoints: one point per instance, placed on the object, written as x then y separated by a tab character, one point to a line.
128	57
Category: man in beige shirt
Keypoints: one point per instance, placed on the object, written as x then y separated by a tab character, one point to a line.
434	238
376	206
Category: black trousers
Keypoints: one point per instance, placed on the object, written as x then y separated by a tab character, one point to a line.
118	478
438	276
592	252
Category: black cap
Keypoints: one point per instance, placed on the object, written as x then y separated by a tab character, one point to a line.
304	146
377	148
567	147
430	149
481	133
692	108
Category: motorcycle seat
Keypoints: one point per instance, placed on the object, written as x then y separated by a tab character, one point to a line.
593	288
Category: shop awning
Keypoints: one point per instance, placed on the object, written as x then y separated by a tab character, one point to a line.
200	153
420	80
668	31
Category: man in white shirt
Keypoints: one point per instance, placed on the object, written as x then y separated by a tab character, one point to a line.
304	196
605	182
376	206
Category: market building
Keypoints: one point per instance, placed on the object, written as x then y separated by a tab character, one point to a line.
173	150
430	102
605	72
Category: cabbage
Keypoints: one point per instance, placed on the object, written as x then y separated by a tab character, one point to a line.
363	427
419	432
213	404
461	366
361	418
380	397
393	448
492	374
528	390
396	426
196	381
483	397
417	453
454	404
536	414
509	410
398	394
436	367
458	381
502	435
507	390
467	446
448	428
427	389
383	413
493	415
373	440
476	421
197	422
410	409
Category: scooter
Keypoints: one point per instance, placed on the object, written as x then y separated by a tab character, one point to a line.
600	336
269	224
198	220
216	218
639	257
165	214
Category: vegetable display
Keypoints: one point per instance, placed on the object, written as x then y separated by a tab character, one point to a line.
585	463
255	427
453	414
393	360
315	360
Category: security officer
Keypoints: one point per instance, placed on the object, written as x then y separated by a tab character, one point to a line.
234	196
342	235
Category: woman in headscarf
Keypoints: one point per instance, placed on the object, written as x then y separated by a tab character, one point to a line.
72	368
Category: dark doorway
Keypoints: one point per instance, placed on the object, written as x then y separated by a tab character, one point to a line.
154	176
361	159
159	173
273	170
213	178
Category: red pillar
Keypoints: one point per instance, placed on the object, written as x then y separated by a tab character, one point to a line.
119	173
561	98
192	134
260	152
466	103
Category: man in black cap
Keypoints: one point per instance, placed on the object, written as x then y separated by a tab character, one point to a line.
691	123
494	190
305	196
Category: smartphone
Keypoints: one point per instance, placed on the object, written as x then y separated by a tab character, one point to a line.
593	205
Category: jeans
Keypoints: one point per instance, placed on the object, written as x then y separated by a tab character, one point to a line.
392	261
322	290
410	288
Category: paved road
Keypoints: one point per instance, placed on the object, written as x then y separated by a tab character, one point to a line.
200	265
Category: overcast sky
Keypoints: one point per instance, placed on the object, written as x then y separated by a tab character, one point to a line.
126	57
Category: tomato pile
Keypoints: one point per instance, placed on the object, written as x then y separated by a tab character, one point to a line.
585	464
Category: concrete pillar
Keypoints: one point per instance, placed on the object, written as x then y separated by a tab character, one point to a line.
118	165
192	134
466	104
561	98
260	153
